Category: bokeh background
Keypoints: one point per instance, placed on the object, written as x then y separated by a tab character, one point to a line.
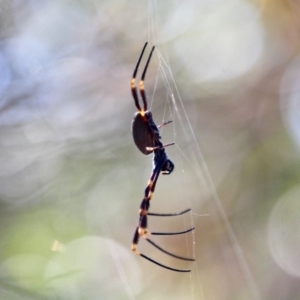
71	179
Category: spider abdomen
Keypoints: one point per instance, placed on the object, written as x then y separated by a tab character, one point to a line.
144	131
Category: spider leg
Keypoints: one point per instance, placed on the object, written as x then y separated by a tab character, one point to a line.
159	147
133	86
171	233
169	253
142	88
164	123
148	196
141	230
164	266
169	215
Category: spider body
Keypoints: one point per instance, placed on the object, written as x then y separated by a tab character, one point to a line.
147	138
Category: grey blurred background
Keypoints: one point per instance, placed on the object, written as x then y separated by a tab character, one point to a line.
71	179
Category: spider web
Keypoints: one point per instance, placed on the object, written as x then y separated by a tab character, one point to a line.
71	177
190	185
192	160
191	167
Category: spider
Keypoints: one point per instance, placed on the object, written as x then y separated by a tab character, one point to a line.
147	139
